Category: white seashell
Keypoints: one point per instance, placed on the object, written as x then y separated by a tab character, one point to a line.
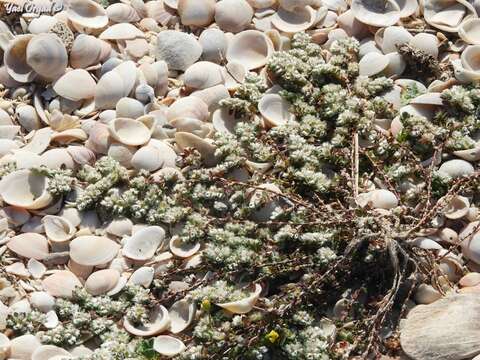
382	199
51	321
14	215
129	108
469	31
159	322
179	50
182	249
457	207
206	149
102	281
9	131
93	250
456	168
122	281
181	314
144	93
188	107
57	158
224	122
42	301
22	347
22	306
426	243
128	73
377	13
17	269
294	21
61	284
212	96
120	227
81	155
202	75
394	36
196	12
87	13
142	276
15	59
147	158
233	15
468	155
109	90
58	229
251	48
27	117
214	45
129	132
40	141
29	245
41	24
122	153
47	55
75	85
275	110
168	345
243	306
86	51
426	294
447	15
50	352
36	268
426	42
470	279
4	347
144	243
122	13
396	64
122	31
345	21
373	63
470	238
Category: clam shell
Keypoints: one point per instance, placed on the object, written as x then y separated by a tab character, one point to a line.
456	168
212	96
93	250
109	90
75	85
29	245
196	13
87	13
122	13
81	155
294	21
122	153
426	294
251	48
470	279
182	249
61	284
102	281
15	59
469	31
377	13
159	322
382	199
50	352
25	189
447	15
202	75
58	229
42	24
206	149
188	107
57	158
129	132
27	117
468	155
122	31
394	36
181	314
470	238
275	110
42	301
179	50
86	51
457	207
120	227
142	245
243	306
214	45
129	108
142	276
168	345
36	268
47	56
233	15
373	63
425	42
22	347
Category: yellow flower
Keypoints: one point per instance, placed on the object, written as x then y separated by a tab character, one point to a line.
206	305
272	336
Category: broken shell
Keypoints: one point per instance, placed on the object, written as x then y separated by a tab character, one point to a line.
243	306
129	132
377	13
456	168
50	352
195	12
58	229
47	55
233	15
93	250
61	284
42	301
143	244
181	314
179	50
36	268
122	13
168	345
159	321
294	21
202	75
102	281
87	13
75	85
275	110
251	48
214	45
182	249
457	207
142	276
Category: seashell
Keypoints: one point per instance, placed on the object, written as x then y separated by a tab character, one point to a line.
470	238
469	31
426	243
373	63
29	245
188	107
58	229
50	352
428	43
196	12
22	347
251	48
294	21
109	90
99	139
212	96
122	13
181	314
448	15
181	249
426	294
47	56
93	250
470	279
207	150
149	24
102	281
80	351
61	284
376	13
17	269
233	15
57	158
81	155
87	13
190	125
120	227
179	50
122	153
347	22
157	11
128	73
382	199
202	75
129	108
243	306
129	132
275	110
168	345
159	321
86	51
142	245
468	155
25	189
51	321
137	48
396	64
456	208
42	24
15	59
36	268
394	36
142	276
122	31
14	215
455	168
122	281
214	45
4	347
27	117
144	93
75	85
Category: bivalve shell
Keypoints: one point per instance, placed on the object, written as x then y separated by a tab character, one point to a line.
22	347
456	168
93	250
47	55
291	22
42	301
61	284
168	345
469	31
129	132
214	45
243	306
233	15
25	189
379	13
143	244
182	314
159	321
196	12
251	48
102	281
275	110
457	207
142	276
50	352
87	13
202	75
470	238
122	31
58	229
179	50
182	249
75	85
122	13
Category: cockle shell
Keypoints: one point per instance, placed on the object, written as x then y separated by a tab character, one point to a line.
58	229
25	189
214	45
378	199
87	50
36	268
179	50
377	13
181	314
42	301
159	322
122	153
243	306
168	345
102	281
457	207
294	21
425	42
57	158
93	250
27	117
129	132
81	155
41	24
251	48
61	284
109	90
196	12
50	352
120	227
275	110
233	15
75	85
143	244
202	75
15	59
373	63
87	13
47	56
456	168
22	347
122	13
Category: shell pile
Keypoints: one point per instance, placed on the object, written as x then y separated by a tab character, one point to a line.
142	83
